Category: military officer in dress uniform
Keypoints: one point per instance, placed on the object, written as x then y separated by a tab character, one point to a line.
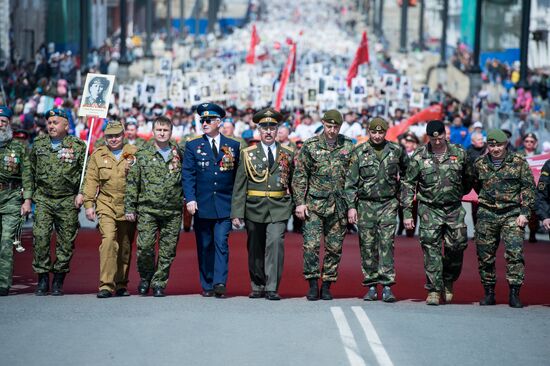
261	197
209	167
14	177
103	190
57	161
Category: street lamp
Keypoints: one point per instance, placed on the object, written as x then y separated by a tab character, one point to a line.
168	45
524	42
477	38
123	28
182	22
421	43
444	20
404	11
148	27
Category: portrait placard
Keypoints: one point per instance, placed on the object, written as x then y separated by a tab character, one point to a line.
96	95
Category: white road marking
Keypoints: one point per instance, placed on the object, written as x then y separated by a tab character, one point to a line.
348	340
372	337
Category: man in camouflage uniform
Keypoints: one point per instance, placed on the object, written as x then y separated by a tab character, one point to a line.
154	198
437	174
103	190
262	198
56	161
318	191
372	189
543	196
14	177
506	195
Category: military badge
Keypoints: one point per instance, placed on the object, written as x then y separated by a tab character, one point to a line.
66	155
542	186
11	162
130	161
228	160
175	162
284	169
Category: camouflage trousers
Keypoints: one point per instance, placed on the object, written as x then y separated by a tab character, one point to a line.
442	225
115	252
490	228
334	229
50	213
168	229
10	222
376	224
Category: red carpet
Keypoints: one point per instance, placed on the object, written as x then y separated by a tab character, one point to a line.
184	279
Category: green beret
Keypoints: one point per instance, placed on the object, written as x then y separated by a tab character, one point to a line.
496	136
268	117
333	116
378	124
114	128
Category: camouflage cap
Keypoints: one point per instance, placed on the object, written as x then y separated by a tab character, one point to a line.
378	124
496	136
114	128
56	112
333	116
268	117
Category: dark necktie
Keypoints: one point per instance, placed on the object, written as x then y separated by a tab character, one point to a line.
270	158
214	149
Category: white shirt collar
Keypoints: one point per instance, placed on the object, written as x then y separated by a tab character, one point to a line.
273	149
217	139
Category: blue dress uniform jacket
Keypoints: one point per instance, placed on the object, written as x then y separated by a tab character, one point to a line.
209	181
205	180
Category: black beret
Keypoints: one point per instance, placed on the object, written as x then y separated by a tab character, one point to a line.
435	128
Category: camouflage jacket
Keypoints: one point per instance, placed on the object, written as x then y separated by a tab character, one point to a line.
56	173
320	175
438	184
508	189
153	185
372	179
543	192
15	167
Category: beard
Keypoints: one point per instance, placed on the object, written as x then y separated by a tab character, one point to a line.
6	134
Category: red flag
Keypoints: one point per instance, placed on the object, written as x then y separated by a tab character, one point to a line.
432	112
254	41
285	75
97	131
361	57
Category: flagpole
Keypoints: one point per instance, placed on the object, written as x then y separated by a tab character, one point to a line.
90	132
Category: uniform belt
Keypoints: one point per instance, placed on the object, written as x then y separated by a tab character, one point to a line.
10	185
273	194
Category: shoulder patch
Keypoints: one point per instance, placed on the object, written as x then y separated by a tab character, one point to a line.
287	148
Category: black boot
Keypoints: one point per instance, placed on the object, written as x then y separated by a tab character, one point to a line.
57	284
313	293
489	298
513	299
43	285
143	287
325	291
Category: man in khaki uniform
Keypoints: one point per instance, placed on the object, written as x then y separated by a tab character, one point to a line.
104	189
261	197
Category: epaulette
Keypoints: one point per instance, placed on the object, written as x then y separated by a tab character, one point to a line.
250	148
194	138
287	148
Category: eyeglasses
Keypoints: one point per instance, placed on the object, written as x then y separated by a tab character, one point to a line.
209	120
268	129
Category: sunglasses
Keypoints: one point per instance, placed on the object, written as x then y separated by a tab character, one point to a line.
209	120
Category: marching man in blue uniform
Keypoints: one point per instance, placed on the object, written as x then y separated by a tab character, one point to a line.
209	166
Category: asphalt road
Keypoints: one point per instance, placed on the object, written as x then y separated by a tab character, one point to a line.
191	330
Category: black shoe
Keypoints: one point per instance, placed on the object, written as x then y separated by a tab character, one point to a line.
158	292
489	298
57	284
43	285
219	290
4	291
313	293
121	292
104	294
513	299
387	295
207	293
325	291
256	294
272	295
371	295
533	238
143	287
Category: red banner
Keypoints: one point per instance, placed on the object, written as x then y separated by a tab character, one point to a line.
361	57
432	112
254	41
285	75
